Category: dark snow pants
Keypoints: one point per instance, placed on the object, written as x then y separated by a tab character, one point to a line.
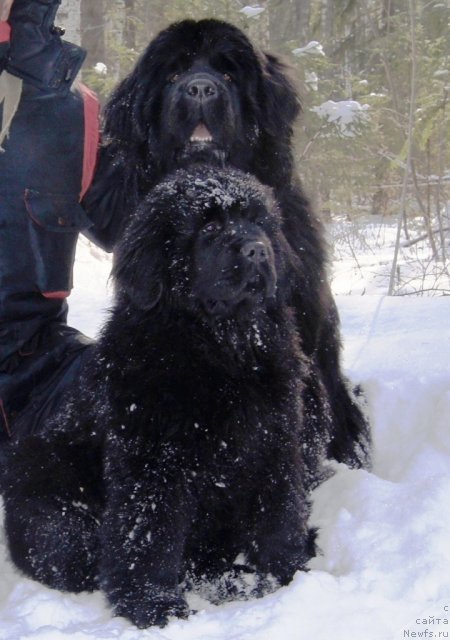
33	382
42	175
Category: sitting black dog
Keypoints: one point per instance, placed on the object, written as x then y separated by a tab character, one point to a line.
184	445
202	92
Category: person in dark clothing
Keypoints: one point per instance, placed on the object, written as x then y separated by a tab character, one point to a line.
48	144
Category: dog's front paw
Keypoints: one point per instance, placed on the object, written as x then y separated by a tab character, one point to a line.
153	610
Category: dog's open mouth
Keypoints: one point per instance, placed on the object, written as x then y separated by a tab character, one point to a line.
255	291
201	134
256	286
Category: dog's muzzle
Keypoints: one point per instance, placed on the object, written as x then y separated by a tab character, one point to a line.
248	281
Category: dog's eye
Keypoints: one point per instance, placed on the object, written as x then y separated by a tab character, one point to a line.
174	78
227	77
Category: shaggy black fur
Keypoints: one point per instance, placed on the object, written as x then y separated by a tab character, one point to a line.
184	446
202	92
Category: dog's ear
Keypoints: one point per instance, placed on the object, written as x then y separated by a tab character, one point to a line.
127	114
118	116
280	101
138	268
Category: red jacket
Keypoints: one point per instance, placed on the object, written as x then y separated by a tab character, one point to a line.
5	32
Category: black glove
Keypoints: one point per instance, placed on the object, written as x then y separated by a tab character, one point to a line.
36	52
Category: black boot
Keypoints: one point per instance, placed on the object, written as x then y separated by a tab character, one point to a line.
34	379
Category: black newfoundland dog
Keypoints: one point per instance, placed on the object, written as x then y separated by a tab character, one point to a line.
184	449
202	93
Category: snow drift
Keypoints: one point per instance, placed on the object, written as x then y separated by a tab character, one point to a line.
384	572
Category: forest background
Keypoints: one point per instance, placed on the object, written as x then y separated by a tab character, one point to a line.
374	79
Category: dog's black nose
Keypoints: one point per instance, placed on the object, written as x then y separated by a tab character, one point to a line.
201	89
255	251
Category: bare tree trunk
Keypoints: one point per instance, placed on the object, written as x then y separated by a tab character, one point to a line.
383	56
387	11
302	16
69	16
439	189
380	197
154	18
130	24
289	21
426	212
93	25
328	19
412	101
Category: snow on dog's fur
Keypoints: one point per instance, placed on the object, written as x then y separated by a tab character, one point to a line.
184	443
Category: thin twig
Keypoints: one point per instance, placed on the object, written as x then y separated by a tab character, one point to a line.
424	236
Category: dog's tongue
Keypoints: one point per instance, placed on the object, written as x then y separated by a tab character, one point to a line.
201	133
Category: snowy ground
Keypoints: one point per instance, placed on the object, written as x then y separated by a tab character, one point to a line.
384	572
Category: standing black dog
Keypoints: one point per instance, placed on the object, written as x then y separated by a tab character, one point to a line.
184	445
202	93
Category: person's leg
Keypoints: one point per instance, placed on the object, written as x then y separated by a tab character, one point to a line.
34	376
41	167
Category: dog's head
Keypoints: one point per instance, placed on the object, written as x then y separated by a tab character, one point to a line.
208	242
202	93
